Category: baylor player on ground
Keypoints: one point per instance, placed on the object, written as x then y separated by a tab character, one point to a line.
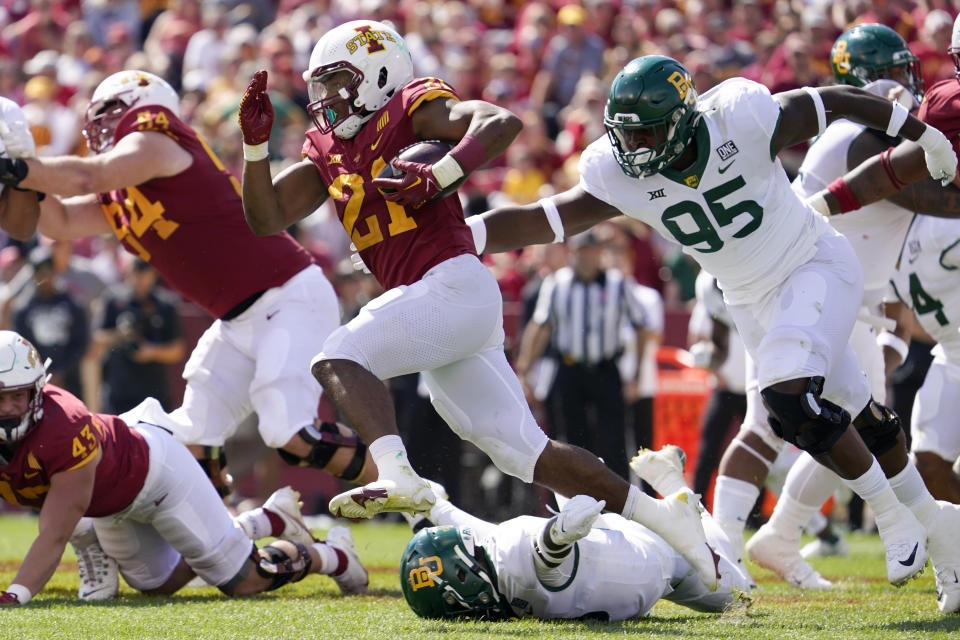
705	173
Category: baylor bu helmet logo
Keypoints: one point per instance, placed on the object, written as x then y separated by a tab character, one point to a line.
366	36
422	576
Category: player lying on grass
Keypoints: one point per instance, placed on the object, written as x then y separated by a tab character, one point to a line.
152	507
577	565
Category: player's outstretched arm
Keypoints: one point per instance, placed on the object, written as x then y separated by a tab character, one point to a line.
71	218
897	174
548	220
135	159
807	112
67	500
269	205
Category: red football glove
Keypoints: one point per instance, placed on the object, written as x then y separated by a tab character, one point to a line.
8	599
256	112
415	187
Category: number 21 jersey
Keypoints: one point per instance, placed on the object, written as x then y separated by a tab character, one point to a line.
733	211
398	244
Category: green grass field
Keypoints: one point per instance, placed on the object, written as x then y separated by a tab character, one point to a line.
862	605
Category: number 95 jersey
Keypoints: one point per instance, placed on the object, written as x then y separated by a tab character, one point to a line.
733	211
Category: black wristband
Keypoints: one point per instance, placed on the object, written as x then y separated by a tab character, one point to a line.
13	171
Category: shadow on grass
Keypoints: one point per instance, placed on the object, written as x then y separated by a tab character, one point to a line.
68	597
946	623
678	626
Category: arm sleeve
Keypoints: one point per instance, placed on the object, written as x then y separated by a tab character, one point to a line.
555	565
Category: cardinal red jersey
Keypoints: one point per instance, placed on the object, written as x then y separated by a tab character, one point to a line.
397	244
941	109
191	227
67	437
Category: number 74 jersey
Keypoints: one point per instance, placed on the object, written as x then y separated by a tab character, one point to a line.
927	279
733	211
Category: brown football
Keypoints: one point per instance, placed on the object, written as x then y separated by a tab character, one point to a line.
426	152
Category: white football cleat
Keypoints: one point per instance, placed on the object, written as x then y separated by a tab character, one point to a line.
408	493
99	575
683	530
662	470
771	550
821	548
905	541
945	556
354	579
285	503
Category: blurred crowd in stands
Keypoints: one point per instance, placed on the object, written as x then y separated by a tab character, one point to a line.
114	333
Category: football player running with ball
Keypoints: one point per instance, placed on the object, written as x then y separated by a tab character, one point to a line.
151	505
704	172
442	312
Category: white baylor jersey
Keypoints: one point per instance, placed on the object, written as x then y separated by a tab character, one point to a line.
927	280
733	211
876	231
619	573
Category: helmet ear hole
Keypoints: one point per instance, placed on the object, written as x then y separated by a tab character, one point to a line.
382	78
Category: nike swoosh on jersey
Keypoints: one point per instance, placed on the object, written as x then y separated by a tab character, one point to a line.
31	474
376	144
910	558
722	169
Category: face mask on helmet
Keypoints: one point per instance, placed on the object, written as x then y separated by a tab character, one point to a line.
115	96
20	370
445	574
869	52
354	70
651	115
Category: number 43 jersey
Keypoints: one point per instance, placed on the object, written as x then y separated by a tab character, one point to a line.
927	279
68	437
733	211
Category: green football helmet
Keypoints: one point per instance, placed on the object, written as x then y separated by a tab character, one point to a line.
868	52
651	99
445	574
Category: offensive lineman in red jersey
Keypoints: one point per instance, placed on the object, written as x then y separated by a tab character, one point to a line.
164	193
442	311
151	505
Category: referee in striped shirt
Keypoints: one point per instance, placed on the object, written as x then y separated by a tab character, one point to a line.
580	311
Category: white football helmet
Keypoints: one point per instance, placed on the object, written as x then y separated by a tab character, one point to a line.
379	63
115	95
21	368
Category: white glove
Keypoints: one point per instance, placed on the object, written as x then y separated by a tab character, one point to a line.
938	153
14	131
357	261
576	519
819	203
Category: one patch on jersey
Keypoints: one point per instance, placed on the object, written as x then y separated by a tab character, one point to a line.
657	193
727	150
913	250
